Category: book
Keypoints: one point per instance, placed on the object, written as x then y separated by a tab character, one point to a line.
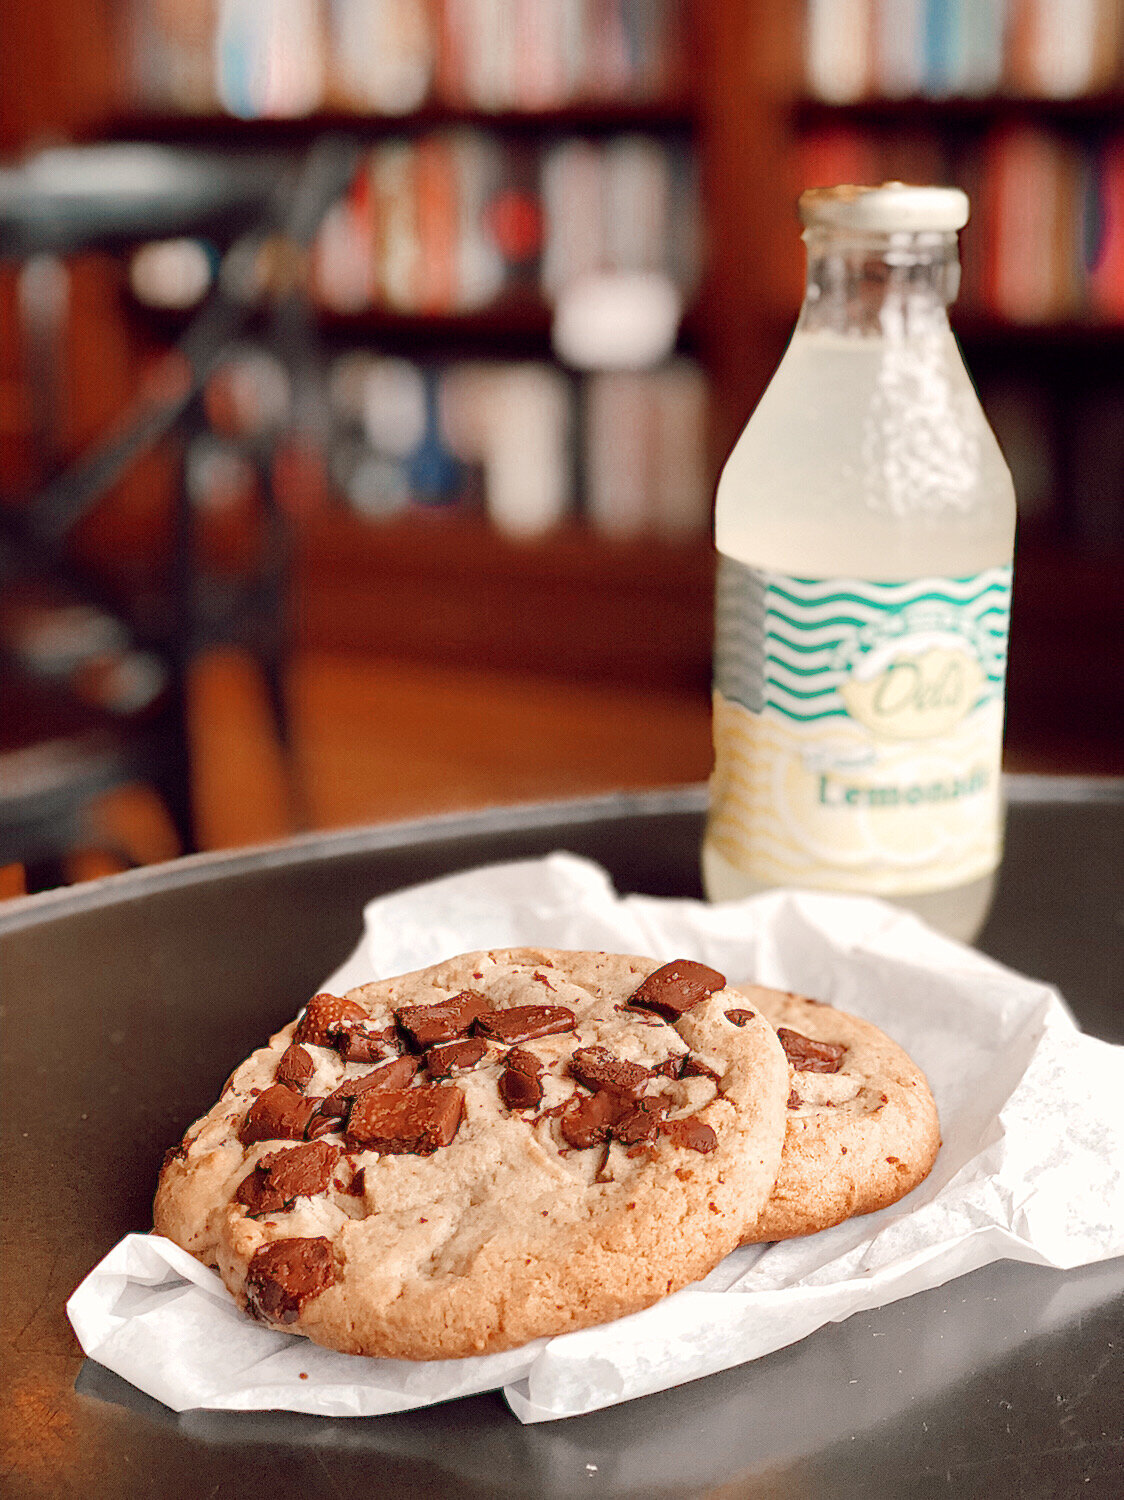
573	200
382	55
838	49
681	482
260	58
1106	247
398	246
344	269
172	55
527	451
1057	52
899	48
945	48
637	206
436	189
619	454
270	58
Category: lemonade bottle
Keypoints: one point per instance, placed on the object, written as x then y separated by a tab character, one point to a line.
865	527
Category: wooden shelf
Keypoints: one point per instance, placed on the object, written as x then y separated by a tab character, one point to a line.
673	116
1079	334
1086	112
518	324
1073	355
446	587
1076	337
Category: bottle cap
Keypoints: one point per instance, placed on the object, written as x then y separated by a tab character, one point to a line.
894	207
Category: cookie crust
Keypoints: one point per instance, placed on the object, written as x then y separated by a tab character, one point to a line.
508	1232
858	1137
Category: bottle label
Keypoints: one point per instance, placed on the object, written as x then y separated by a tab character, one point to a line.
858	729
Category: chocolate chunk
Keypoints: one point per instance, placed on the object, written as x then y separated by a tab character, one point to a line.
426	1026
359	1041
691	1132
522	1023
808	1056
395	1121
520	1086
794	1099
358	1184
522	1061
641	1124
322	1015
740	1017
455	1056
694	1067
676	988
588	1120
638	1019
277	1114
355	1044
283	1176
322	1124
671	1067
597	1068
295	1068
520	1090
392	1075
286	1274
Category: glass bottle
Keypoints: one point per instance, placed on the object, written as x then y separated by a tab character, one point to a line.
865	526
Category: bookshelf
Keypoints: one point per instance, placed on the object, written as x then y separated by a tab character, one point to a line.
444	584
1046	359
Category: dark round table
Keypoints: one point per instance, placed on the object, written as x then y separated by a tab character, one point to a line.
126	1003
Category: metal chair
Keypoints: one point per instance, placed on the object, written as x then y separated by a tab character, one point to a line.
111	197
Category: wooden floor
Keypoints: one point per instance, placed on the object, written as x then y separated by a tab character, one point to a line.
378	741
375	741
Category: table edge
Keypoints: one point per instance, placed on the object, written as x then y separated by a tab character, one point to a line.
193	869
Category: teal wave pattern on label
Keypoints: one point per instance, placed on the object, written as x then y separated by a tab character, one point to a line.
787	644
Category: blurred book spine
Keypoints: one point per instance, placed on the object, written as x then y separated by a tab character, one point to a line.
1045	242
645	452
451	221
857	49
283	58
382	55
1106	269
269	58
523	443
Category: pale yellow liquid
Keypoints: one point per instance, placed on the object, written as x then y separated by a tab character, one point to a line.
868	458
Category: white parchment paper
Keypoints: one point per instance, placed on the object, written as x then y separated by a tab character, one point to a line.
1031	1167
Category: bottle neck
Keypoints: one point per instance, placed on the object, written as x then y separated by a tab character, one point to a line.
891	286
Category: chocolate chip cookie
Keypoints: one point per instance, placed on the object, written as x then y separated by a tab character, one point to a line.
862	1127
508	1145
